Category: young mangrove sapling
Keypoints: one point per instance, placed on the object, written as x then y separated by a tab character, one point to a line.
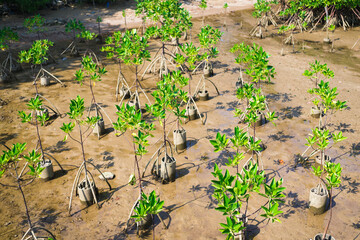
86	188
92	72
40	115
129	119
7	36
37	55
10	166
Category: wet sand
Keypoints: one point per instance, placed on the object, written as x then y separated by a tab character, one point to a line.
189	206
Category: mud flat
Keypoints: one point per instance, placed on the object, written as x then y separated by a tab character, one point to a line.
189	205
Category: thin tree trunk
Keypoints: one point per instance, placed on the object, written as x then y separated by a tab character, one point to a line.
23	196
327	226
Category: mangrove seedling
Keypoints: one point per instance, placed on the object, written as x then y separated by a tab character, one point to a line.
133	53
256	112
35	24
10	161
37	55
187	61
318	72
256	62
40	114
92	72
174	21
98	21
290	39
88	36
319	141
129	119
265	16
233	191
226	6
167	98
203	5
331	176
124	16
208	38
325	101
74	26
113	51
7	36
86	188
148	206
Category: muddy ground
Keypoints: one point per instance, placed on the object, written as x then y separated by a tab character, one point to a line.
189	206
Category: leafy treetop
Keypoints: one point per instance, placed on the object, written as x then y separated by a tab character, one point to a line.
37	54
89	69
6	36
9	160
35	104
133	48
148	205
76	111
35	23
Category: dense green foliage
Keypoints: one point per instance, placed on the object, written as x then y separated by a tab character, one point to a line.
27	6
255	60
37	54
173	18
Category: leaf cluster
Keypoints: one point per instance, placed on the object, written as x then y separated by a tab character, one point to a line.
87	35
173	19
147	205
11	157
332	172
6	36
37	54
90	70
190	57
133	48
256	104
35	105
327	98
262	7
74	25
76	111
240	139
208	38
168	96
232	190
113	45
318	71
255	59
35	23
320	138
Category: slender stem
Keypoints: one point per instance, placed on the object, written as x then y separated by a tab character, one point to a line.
153	226
327	226
23	195
83	150
164	129
39	139
237	165
37	128
93	97
137	166
136	77
247	205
